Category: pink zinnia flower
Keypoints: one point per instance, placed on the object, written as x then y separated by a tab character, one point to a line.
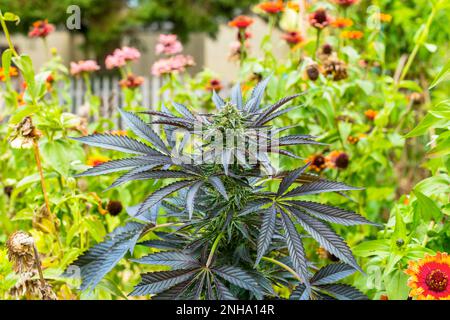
41	29
120	57
178	63
79	67
168	44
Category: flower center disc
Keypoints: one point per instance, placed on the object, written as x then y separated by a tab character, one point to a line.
437	280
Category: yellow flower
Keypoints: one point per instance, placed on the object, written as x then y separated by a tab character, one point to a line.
96	160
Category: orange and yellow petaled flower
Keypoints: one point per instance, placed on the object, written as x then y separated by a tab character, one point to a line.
12	73
96	160
353	34
337	160
342	23
271	7
293	5
118	132
384	17
214	85
371	114
241	22
430	277
318	162
293	37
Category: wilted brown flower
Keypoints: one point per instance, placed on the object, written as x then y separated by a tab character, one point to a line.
312	71
335	67
42	220
20	247
24	134
33	289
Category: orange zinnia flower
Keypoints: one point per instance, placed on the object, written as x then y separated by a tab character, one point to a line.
353	34
12	73
342	23
271	7
96	160
131	82
371	114
429	277
318	162
384	17
241	22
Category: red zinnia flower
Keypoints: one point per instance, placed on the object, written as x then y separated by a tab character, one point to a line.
293	37
241	22
214	85
345	3
271	7
319	19
41	29
430	277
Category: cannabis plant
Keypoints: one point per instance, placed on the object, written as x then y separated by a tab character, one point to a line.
221	223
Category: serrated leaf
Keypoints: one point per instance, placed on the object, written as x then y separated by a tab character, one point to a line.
218	101
331	214
218	185
236	96
326	237
295	248
174	259
190	197
274	107
239	278
119	143
160	194
223	293
289	179
266	232
300	293
155	282
257	95
142	130
332	273
343	292
182	109
319	186
100	259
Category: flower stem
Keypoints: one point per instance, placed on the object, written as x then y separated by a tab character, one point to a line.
286	267
317	42
213	249
7	36
41	175
37	262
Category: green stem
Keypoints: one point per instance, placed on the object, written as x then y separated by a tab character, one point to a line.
317	42
213	249
416	48
285	267
7	36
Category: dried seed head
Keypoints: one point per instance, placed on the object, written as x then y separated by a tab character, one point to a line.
21	251
335	67
114	207
32	289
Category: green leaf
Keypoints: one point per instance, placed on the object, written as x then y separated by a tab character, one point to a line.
396	287
9	16
59	154
442	75
426	207
372	248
